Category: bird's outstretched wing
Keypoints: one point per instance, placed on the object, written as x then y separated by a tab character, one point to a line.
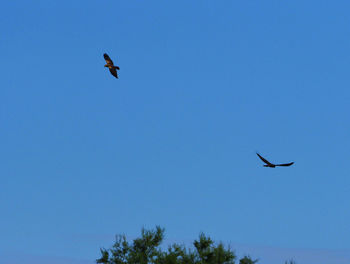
264	160
114	72
108	59
285	164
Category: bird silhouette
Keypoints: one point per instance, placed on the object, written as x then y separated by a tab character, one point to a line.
113	69
271	165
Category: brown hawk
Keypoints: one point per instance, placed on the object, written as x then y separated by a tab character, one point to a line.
109	64
270	165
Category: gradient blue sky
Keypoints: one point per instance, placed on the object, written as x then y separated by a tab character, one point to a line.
203	86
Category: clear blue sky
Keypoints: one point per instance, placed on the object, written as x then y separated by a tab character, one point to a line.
203	86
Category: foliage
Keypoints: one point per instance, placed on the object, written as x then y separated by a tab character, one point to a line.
146	249
143	250
290	262
247	260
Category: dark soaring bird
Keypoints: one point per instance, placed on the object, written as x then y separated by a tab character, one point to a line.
113	69
270	165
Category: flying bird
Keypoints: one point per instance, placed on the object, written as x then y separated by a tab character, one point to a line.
270	165
113	69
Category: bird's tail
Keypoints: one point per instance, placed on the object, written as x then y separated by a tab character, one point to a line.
116	67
